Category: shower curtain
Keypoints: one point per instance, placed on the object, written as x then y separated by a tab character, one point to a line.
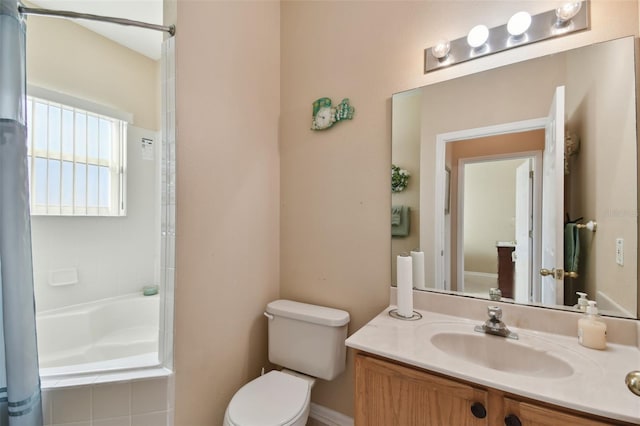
20	402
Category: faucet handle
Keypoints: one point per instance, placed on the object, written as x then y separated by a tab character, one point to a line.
495	313
495	293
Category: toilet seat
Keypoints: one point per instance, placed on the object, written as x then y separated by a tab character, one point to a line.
274	399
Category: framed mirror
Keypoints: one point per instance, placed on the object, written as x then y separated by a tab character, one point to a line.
524	178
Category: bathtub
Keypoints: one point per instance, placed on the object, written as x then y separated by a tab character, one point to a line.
108	334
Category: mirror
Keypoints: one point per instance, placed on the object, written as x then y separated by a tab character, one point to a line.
507	167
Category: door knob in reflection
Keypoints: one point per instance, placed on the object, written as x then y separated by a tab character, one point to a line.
558	274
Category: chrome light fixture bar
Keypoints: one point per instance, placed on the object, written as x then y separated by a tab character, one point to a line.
521	30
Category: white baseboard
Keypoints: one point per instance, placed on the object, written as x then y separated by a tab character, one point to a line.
487	275
328	416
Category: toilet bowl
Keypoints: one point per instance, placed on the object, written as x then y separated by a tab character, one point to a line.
277	398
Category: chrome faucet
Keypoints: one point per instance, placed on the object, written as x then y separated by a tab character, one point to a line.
494	324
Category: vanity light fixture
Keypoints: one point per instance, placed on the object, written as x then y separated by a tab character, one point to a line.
441	49
568	11
519	24
520	30
478	36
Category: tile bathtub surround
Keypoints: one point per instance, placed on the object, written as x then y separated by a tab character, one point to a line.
130	403
111	400
70	405
148	397
619	330
117	421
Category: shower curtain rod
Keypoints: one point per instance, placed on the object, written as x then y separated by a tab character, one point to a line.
171	29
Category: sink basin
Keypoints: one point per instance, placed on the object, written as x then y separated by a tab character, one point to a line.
502	354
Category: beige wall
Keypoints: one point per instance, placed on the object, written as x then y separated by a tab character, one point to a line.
333	192
228	97
68	58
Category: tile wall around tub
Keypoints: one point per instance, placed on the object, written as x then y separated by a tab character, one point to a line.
145	402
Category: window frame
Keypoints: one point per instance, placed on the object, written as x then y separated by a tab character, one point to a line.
117	161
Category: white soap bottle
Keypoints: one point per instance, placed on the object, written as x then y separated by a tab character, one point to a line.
592	330
583	302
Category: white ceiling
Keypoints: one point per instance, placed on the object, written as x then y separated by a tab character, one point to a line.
144	41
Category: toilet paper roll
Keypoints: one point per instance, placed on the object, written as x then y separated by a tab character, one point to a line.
405	286
417	259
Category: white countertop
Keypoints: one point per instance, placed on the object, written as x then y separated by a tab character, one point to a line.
597	385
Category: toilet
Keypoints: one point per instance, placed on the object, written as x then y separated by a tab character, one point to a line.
308	342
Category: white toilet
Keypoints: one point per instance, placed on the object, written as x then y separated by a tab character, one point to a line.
307	340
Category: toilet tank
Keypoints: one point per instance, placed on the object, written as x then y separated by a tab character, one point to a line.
307	338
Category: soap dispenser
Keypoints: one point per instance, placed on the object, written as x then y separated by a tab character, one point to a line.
592	330
583	302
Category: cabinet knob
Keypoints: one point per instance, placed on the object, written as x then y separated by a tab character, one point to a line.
478	410
512	420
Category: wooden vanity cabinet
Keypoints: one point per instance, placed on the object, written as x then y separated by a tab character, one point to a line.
391	394
536	415
388	393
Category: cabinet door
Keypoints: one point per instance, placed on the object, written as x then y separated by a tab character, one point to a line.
389	394
527	414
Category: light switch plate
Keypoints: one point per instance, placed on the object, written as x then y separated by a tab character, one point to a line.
620	251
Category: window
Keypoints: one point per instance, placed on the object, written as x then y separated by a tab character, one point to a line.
76	160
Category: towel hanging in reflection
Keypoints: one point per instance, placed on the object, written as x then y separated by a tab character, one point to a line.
399	221
396	215
571	247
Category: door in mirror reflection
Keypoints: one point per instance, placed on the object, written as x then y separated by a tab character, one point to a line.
553	203
496	205
523	251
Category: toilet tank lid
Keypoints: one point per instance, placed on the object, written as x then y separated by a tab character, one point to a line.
310	313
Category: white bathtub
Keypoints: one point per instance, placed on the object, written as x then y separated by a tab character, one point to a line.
108	334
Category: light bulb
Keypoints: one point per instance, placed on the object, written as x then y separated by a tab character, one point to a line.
441	49
519	24
568	11
478	36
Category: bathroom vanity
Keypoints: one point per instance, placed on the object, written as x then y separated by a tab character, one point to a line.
438	371
477	148
392	393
